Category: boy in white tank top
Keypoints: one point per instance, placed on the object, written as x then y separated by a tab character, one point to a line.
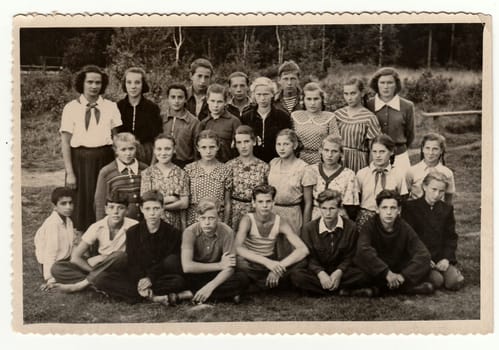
256	239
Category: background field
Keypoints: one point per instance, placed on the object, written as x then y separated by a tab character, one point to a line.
41	169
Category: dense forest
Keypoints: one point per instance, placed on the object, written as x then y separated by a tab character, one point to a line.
315	48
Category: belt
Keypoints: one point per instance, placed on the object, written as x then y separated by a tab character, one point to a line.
241	200
287	204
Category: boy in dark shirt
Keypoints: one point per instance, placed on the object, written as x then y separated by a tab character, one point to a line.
331	240
208	256
433	220
153	271
389	253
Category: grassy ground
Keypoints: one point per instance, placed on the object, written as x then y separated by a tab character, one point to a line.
40	307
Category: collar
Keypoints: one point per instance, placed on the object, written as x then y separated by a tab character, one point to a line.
58	217
427	167
248	102
225	115
323	228
200	232
183	116
393	103
83	100
190	94
373	168
134	166
141	101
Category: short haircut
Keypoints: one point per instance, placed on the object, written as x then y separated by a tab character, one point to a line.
177	86
117	197
60	192
201	62
82	74
245	130
288	67
313	86
124	137
385	140
388	194
217	89
238	75
437	176
206	204
328	195
264	189
165	136
138	70
382	72
149	196
263	81
433	136
208	134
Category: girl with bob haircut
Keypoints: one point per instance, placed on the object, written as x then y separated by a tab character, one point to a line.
378	176
170	180
432	158
247	173
87	126
357	125
294	191
265	120
208	177
313	123
395	114
140	116
330	173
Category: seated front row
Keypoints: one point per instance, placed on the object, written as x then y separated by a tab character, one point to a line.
157	263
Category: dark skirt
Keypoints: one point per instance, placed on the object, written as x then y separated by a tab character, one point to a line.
87	163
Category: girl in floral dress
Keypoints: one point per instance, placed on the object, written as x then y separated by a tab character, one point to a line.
209	178
247	173
313	124
357	125
331	174
287	175
170	180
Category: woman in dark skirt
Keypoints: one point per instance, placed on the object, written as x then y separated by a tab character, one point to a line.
87	125
140	116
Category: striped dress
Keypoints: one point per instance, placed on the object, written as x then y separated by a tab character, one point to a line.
311	130
356	131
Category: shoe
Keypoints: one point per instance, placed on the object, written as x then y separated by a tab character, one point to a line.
172	299
236	299
422	288
343	292
365	292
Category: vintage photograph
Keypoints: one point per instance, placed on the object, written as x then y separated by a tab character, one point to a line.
208	173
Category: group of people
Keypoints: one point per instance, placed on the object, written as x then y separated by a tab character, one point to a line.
223	191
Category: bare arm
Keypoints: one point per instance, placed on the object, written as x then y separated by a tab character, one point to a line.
227	206
308	202
242	232
181	203
77	256
300	251
66	156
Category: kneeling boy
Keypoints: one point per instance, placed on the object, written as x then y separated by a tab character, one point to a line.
208	256
256	242
433	220
109	233
390	254
331	240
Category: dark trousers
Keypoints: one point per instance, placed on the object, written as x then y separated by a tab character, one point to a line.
118	283
66	272
307	281
234	285
257	275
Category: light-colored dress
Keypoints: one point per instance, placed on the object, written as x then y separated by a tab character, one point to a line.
245	177
311	130
207	185
343	180
289	184
356	131
175	183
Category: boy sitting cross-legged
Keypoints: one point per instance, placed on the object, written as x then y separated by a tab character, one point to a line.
208	256
256	242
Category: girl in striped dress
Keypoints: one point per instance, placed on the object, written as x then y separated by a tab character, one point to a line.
313	124
247	173
357	125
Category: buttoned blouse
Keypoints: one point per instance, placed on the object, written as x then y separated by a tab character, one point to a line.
97	135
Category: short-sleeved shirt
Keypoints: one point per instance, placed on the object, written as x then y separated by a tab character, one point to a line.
289	183
368	187
98	134
208	248
99	232
416	174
